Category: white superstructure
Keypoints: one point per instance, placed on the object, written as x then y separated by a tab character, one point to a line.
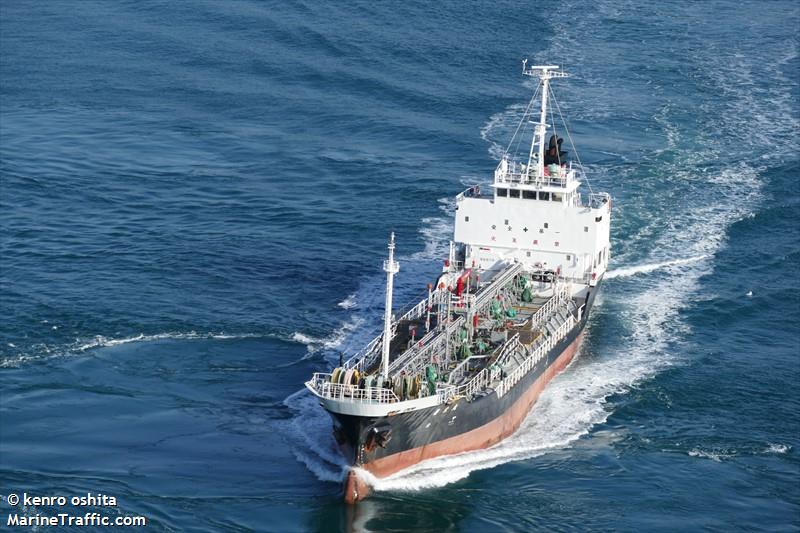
534	213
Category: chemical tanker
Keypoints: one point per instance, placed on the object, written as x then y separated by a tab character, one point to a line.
462	368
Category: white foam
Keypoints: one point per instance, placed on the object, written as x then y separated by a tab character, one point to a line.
332	342
650	267
81	346
501	126
436	232
305	339
348	303
309	434
103	341
714	455
778	448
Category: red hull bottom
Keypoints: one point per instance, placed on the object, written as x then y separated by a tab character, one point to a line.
356	489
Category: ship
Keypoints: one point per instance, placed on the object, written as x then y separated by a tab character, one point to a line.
461	369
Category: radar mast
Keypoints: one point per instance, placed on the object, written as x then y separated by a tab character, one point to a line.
544	73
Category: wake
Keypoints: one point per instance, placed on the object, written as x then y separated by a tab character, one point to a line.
650	267
82	346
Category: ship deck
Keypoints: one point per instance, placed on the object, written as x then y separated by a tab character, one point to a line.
464	339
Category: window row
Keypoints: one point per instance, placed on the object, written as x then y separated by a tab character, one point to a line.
530	195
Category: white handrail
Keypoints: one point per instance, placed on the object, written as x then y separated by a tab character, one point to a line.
367	356
322	385
510	347
535	356
409	360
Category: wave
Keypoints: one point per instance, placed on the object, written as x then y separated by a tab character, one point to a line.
650	267
333	341
500	126
305	339
715	455
778	448
348	303
720	454
436	232
309	437
101	341
81	346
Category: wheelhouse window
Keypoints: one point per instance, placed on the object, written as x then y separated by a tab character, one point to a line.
514	193
544	196
529	195
502	192
556	196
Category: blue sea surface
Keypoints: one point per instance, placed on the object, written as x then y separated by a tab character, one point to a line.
194	205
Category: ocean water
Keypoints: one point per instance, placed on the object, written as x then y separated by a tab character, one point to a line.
194	205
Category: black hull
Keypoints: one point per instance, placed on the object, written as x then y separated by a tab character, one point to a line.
385	445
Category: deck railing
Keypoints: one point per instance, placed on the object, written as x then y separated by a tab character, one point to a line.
486	295
321	383
561	295
514	172
539	353
598	199
369	355
463	368
416	357
474	192
508	349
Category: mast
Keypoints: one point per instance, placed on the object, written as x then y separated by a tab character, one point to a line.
542	126
391	267
544	73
